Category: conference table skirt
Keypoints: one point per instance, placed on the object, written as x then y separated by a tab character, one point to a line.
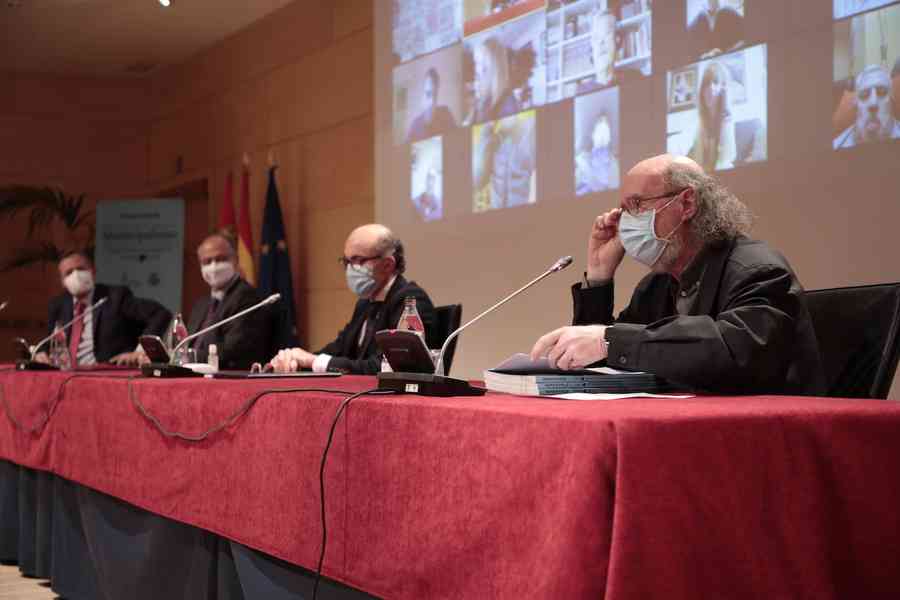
496	496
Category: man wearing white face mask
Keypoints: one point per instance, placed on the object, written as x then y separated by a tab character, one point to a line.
719	312
373	264
110	333
244	341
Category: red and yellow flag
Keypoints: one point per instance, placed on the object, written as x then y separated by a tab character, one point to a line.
245	231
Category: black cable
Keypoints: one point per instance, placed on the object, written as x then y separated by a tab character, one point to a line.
46	418
337	416
231	419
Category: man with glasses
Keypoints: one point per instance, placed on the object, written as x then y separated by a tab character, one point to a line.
719	312
874	110
373	263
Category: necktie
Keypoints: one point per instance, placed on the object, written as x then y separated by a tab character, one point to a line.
77	328
370	324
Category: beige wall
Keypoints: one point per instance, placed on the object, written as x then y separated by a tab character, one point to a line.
296	85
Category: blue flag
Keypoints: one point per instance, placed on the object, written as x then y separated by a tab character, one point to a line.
275	267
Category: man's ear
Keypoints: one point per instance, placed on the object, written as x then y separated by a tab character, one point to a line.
689	202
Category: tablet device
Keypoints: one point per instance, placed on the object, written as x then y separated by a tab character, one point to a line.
405	351
154	348
250	375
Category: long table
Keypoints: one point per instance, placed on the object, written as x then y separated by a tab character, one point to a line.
497	496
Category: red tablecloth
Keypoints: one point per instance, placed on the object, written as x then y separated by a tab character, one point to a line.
498	496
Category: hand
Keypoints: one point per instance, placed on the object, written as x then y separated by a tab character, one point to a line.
605	250
42	357
130	359
290	360
572	347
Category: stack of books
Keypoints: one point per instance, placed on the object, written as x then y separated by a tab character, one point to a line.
520	375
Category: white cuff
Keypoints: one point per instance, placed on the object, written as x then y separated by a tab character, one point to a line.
320	363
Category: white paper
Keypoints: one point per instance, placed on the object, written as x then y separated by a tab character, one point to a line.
582	396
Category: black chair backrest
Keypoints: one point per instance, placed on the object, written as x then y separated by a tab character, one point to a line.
448	319
857	330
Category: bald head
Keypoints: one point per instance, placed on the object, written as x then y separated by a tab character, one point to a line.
648	176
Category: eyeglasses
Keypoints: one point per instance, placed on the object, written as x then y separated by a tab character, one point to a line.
356	260
880	90
632	204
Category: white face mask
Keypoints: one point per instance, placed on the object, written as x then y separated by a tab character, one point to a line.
217	273
638	235
79	282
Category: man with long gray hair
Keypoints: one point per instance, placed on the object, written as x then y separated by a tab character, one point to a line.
719	312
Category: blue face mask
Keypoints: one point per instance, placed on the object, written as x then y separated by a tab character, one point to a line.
360	280
638	235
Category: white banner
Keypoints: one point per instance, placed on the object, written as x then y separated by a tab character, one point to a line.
140	244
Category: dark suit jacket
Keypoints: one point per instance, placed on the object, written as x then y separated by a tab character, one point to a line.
117	323
348	356
242	342
748	330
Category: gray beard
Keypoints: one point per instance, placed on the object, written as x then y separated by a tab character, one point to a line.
669	256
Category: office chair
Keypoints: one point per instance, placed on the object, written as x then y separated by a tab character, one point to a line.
857	330
448	319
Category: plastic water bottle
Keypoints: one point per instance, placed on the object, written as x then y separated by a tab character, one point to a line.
177	333
59	355
213	358
410	319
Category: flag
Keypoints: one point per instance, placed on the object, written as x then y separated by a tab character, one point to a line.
226	214
275	266
245	231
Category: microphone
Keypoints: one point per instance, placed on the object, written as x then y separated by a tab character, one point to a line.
439	385
31	364
173	370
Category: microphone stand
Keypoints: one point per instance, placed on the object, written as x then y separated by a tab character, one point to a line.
171	369
437	384
33	365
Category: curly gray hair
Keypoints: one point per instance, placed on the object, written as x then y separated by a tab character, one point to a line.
720	215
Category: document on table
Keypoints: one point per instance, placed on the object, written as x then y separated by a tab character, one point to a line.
582	396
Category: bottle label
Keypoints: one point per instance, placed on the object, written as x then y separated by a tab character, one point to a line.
413	323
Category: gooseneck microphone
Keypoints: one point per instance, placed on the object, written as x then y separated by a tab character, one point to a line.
270	300
31	364
85	313
438	384
170	369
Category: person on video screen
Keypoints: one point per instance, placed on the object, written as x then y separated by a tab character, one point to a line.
435	118
596	167
428	203
714	145
874	117
603	52
504	161
716	29
493	88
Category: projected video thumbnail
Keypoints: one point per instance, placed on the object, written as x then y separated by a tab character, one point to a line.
593	44
428	96
503	69
714	26
422	27
597	142
866	88
503	162
847	8
481	15
426	184
717	109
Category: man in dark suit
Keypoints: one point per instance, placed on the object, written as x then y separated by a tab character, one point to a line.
374	263
245	340
719	312
110	333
